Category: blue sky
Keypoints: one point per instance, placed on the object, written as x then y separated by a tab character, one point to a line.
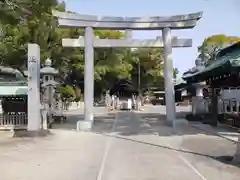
220	17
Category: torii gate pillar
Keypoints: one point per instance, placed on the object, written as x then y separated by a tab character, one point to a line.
89	78
168	75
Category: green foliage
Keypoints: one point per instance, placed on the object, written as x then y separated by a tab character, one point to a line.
67	92
78	94
175	73
151	66
211	45
32	22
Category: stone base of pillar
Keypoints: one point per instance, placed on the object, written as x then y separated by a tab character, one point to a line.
168	123
25	133
198	105
84	125
180	122
177	123
138	105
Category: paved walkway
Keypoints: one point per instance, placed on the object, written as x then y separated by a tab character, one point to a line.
137	153
224	131
145	148
129	147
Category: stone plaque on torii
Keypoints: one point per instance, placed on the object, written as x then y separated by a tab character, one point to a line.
89	22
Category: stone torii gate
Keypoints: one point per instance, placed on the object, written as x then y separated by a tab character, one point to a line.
89	22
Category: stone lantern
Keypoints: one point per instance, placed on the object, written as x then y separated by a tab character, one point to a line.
48	74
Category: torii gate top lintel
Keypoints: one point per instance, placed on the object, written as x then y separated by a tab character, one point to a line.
186	21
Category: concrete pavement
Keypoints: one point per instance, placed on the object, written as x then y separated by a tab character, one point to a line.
135	152
128	146
145	148
66	155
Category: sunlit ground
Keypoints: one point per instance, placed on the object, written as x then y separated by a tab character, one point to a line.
122	146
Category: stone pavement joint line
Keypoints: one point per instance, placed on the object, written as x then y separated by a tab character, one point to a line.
191	166
107	148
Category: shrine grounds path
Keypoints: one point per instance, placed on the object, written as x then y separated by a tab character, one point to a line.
122	146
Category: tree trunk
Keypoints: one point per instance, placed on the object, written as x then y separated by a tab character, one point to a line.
236	158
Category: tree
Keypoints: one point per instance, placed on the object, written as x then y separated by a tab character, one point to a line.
150	61
36	25
67	91
109	63
175	73
211	45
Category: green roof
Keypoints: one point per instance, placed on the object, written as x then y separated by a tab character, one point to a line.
13	83
180	81
13	90
226	61
11	71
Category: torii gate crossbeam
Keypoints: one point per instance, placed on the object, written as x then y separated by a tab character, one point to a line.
126	43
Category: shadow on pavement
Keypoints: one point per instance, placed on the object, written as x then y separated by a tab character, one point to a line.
102	123
222	159
205	145
148	123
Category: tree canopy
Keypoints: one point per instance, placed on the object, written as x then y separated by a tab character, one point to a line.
212	44
31	21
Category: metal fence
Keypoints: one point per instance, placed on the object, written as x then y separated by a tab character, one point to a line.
13	121
13	112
